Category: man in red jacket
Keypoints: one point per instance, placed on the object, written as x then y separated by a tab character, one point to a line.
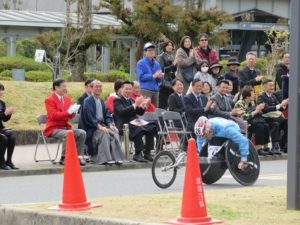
204	52
59	111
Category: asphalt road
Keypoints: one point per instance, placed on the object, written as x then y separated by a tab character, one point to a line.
30	189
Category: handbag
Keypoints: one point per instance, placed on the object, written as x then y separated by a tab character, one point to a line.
188	73
273	114
6	131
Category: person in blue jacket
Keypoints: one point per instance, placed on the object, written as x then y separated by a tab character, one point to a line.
149	74
206	129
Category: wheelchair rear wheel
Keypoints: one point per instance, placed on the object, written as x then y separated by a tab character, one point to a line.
232	158
163	172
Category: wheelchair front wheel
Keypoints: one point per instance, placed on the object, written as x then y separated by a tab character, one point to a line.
163	172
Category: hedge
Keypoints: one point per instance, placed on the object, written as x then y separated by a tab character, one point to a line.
110	76
20	62
38	76
6	75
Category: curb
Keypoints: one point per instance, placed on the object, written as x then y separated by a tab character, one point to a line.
13	215
57	169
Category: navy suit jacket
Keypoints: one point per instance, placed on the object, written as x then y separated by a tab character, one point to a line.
175	103
88	120
193	110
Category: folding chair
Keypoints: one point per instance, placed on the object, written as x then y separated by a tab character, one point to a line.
175	135
41	119
153	117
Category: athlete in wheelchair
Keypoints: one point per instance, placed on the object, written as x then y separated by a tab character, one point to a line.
221	146
206	129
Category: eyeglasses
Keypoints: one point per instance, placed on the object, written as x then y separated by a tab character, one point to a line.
203	40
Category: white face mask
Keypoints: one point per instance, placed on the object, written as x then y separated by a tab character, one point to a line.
204	69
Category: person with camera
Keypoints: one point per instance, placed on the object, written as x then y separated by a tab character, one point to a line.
7	138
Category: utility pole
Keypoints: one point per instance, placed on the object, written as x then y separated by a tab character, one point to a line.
293	174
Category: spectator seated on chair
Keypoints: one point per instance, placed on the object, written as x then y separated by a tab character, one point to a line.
111	98
253	115
102	136
7	138
274	117
126	111
136	92
196	105
88	90
59	112
176	99
223	106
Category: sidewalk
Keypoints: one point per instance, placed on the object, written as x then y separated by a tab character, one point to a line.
23	158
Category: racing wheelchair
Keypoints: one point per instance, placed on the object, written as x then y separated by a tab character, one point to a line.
216	156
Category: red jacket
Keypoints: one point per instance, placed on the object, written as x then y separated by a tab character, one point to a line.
110	102
213	56
57	113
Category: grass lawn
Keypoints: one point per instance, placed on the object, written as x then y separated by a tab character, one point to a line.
29	99
235	206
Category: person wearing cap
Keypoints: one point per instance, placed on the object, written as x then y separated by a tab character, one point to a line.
206	129
186	63
215	71
204	52
149	74
250	75
232	75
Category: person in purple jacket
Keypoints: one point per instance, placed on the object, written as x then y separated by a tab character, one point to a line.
149	74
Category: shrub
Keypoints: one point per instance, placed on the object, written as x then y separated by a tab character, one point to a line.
110	76
20	62
261	64
6	75
38	76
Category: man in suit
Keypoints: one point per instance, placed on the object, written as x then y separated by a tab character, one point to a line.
196	105
276	123
250	75
88	91
223	106
59	112
176	99
126	110
102	136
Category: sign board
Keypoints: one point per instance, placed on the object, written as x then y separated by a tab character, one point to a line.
39	55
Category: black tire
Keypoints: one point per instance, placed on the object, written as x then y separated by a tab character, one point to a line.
163	179
232	156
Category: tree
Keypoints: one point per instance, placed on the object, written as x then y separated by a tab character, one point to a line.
156	20
151	20
77	37
277	41
192	22
12	4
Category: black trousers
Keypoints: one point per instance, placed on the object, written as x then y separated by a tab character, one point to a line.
7	142
278	125
261	131
139	144
164	93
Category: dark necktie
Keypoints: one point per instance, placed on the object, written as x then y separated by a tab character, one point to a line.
129	101
199	101
181	98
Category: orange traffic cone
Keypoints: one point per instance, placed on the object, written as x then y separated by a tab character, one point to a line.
193	208
73	196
